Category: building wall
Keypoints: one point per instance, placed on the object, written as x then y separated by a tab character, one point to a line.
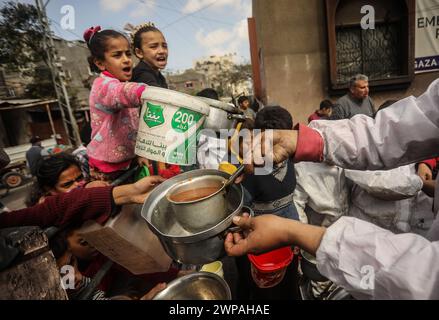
15	85
78	79
179	82
292	42
73	55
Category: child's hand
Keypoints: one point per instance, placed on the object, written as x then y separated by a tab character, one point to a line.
97	184
142	162
136	192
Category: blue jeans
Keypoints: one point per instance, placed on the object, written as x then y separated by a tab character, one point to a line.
289	212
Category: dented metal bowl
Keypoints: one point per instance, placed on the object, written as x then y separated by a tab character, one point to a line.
196	286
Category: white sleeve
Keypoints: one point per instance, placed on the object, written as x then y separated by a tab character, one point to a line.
395	184
373	263
406	132
300	198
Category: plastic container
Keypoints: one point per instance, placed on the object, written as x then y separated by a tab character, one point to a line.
170	123
227	167
214	267
269	269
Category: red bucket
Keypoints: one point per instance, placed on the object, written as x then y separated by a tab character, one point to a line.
269	269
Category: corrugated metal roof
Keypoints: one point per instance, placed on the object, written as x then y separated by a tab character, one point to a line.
14	104
19	101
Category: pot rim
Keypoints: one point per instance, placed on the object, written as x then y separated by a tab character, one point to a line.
189	277
170	191
150	203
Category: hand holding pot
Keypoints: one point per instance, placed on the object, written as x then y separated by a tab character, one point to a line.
268	232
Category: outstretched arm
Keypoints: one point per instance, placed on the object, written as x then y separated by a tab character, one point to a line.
268	232
114	95
80	205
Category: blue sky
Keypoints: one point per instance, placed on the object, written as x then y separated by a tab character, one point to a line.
192	28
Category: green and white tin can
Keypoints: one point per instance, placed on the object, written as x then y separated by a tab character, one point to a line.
170	123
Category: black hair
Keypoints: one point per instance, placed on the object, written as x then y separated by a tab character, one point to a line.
248	124
385	105
49	169
97	44
58	244
208	93
137	35
35	139
326	104
47	173
255	106
274	117
241	99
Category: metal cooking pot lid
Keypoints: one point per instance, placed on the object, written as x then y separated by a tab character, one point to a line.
221	105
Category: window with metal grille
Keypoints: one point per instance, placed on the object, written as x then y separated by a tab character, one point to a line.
385	54
375	53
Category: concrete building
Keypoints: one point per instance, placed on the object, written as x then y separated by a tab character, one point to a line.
217	70
190	82
303	51
12	84
18	123
78	76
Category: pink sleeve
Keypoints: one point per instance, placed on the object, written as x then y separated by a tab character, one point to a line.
309	145
114	94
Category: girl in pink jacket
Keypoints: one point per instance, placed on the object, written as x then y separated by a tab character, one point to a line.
114	104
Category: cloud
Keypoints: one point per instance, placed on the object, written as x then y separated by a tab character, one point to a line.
214	38
144	10
115	5
237	5
223	41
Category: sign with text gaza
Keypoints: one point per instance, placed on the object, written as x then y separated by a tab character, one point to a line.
427	36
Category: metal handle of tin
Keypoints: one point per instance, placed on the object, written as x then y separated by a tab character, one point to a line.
239	117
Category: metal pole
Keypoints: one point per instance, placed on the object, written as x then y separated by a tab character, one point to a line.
61	92
49	113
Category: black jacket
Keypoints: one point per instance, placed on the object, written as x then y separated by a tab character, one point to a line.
143	73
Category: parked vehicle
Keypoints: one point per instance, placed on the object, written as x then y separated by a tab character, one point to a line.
17	172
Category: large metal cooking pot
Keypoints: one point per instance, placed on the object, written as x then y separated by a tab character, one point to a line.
199	203
222	115
196	286
181	245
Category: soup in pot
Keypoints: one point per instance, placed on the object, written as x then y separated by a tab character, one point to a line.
194	194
